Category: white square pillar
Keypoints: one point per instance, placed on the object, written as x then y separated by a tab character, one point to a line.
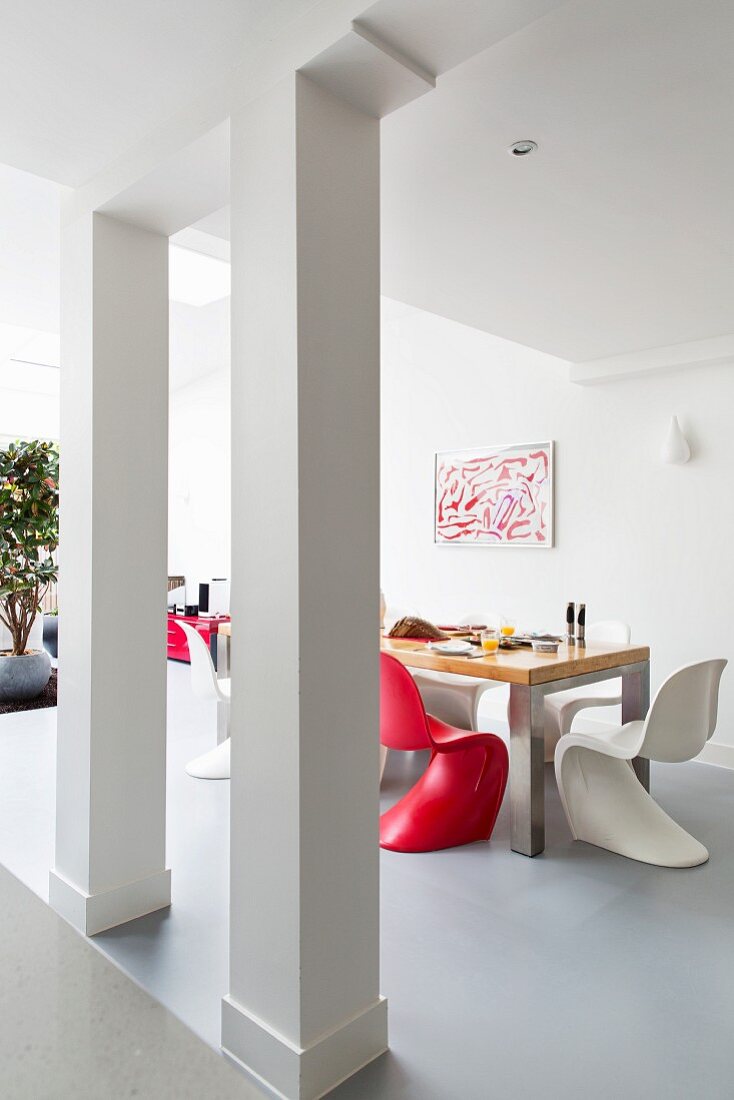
304	1010
110	801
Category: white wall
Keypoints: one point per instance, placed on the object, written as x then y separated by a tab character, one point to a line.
29	250
199	457
28	415
199	444
29	299
637	540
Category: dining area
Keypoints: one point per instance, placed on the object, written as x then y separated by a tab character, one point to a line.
432	682
598	942
603	778
513	801
532	677
478	938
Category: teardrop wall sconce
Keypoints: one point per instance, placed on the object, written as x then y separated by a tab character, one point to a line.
676	451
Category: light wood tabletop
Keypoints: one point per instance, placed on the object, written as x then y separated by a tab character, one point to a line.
519	665
225	629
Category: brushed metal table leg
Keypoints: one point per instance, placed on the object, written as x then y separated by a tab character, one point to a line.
223	644
527	769
635	705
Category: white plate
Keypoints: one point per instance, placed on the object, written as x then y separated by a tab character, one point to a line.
451	649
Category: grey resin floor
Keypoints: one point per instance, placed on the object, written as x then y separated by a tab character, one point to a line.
576	975
72	1025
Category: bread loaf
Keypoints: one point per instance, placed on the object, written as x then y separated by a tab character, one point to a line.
411	627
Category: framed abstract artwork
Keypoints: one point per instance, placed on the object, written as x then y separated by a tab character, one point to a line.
495	496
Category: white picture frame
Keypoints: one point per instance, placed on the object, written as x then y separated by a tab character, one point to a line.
497	495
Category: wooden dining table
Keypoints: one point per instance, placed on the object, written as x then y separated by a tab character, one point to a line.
531	676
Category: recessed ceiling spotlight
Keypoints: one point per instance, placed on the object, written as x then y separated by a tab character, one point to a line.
522	148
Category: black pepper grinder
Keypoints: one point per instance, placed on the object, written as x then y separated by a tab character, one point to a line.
570	615
581	626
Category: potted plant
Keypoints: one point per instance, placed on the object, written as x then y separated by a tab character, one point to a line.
29	536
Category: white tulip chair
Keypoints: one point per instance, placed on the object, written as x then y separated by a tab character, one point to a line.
562	707
604	801
213	764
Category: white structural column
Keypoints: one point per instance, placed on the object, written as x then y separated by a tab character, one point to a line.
110	802
304	1010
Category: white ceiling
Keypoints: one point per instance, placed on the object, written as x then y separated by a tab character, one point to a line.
84	84
618	234
81	81
438	35
615	236
216	224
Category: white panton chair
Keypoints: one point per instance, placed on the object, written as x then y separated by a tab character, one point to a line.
604	801
455	699
211	765
562	707
215	763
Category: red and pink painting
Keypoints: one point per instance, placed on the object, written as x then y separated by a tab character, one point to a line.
495	496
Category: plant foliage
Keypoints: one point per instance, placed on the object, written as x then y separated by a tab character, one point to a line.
29	533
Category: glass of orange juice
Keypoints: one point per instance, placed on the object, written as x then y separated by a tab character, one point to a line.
507	626
490	641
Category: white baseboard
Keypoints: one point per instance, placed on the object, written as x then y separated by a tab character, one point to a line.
93	913
294	1073
721	755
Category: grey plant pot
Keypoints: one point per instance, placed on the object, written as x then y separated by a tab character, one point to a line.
51	634
24	677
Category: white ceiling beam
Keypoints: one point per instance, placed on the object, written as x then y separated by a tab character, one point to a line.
368	73
325	42
263	65
183	188
711	352
193	180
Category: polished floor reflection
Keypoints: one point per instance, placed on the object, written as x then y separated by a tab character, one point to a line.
575	974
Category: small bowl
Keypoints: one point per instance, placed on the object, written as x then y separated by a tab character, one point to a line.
545	645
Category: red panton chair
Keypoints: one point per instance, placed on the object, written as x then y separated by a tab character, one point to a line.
457	799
